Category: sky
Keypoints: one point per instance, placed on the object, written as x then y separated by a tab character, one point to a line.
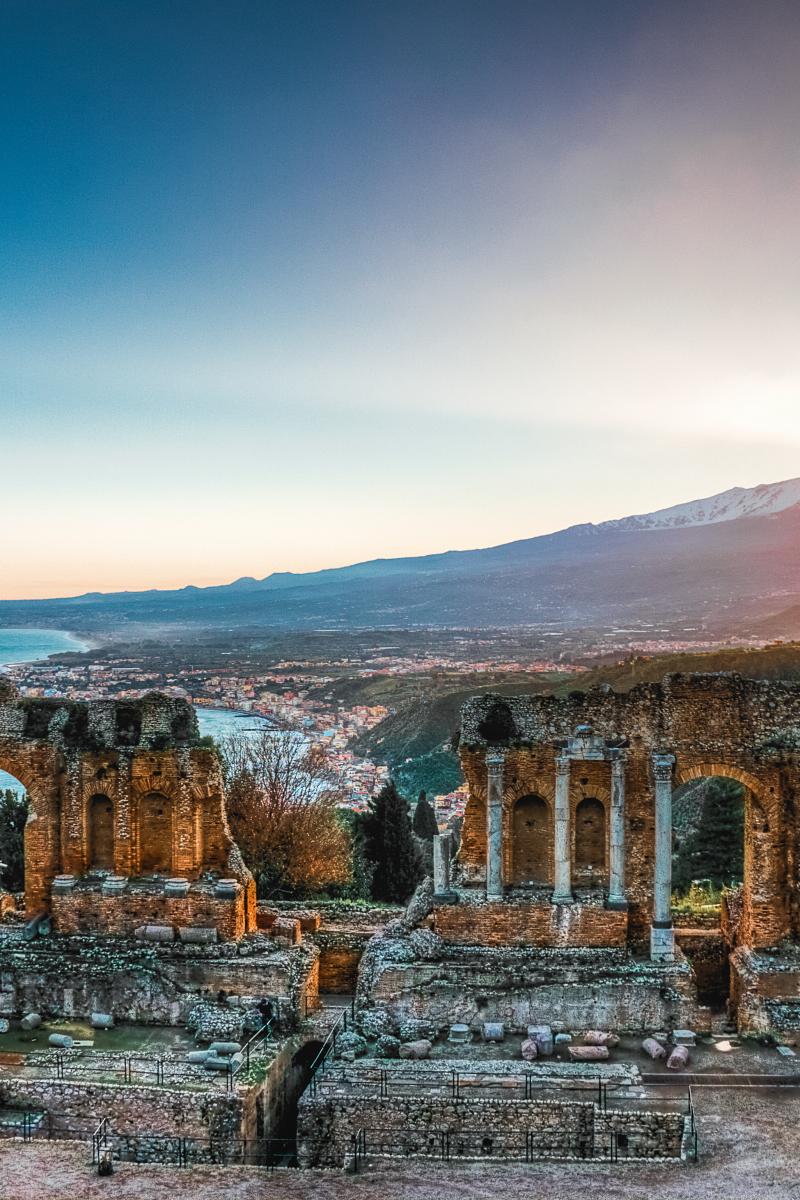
291	285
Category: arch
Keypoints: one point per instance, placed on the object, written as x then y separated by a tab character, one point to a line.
155	833
723	770
100	833
590	835
532	841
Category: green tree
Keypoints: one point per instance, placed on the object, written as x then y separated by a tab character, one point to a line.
715	849
425	825
391	847
13	815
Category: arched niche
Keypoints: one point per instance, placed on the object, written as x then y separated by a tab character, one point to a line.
590	836
155	833
100	833
532	841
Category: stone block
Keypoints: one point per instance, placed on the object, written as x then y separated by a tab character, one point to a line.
226	889
530	1050
176	887
63	884
198	935
678	1059
494	1031
61	1041
416	1050
155	933
598	1037
114	884
653	1048
684	1037
588	1053
459	1034
543	1036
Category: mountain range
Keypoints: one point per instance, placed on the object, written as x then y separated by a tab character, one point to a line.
724	562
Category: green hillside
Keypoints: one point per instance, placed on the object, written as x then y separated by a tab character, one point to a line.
415	739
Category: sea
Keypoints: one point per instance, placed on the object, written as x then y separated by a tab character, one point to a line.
30	645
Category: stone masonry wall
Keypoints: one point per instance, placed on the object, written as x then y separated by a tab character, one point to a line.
477	1128
714	725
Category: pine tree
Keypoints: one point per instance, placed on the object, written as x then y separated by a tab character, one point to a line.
390	845
425	825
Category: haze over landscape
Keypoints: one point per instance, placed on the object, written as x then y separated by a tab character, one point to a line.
284	290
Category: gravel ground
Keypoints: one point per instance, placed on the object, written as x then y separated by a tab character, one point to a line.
748	1152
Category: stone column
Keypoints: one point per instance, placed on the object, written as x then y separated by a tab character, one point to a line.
494	825
441	866
662	938
616	874
562	891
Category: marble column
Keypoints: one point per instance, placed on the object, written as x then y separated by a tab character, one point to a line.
562	891
441	866
616	873
662	938
494	825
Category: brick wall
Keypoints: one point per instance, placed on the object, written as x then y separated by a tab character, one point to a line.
511	922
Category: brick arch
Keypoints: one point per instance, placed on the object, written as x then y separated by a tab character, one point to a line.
723	770
39	769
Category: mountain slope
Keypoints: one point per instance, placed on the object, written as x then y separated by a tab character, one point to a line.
720	561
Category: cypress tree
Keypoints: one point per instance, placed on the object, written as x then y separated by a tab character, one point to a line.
13	815
425	825
390	845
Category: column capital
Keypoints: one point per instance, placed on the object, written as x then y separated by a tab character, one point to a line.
495	761
563	762
662	766
616	757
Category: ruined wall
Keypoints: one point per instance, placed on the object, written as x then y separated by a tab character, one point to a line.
93	912
122	783
714	725
517	922
149	983
131	1108
580	989
477	1128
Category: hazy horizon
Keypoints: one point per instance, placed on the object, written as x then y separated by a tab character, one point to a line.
293	286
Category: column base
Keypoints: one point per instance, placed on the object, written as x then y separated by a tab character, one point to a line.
617	903
662	943
445	898
562	898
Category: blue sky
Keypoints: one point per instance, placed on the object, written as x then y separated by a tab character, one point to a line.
291	285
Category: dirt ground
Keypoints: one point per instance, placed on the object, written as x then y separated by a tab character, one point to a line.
748	1151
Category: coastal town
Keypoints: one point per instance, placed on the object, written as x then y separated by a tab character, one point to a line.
289	697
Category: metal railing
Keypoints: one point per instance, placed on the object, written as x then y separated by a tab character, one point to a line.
150	1070
326	1050
469	1145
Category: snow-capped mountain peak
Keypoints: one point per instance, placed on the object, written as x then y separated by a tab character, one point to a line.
759	501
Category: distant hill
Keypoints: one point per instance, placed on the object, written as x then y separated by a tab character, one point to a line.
415	741
726	561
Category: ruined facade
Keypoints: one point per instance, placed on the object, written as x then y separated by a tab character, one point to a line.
557	906
127	822
570	808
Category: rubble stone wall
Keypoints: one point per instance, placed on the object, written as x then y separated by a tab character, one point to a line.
487	1128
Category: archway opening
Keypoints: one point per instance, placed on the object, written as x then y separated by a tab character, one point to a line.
155	833
100	833
14	810
708	868
533	842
